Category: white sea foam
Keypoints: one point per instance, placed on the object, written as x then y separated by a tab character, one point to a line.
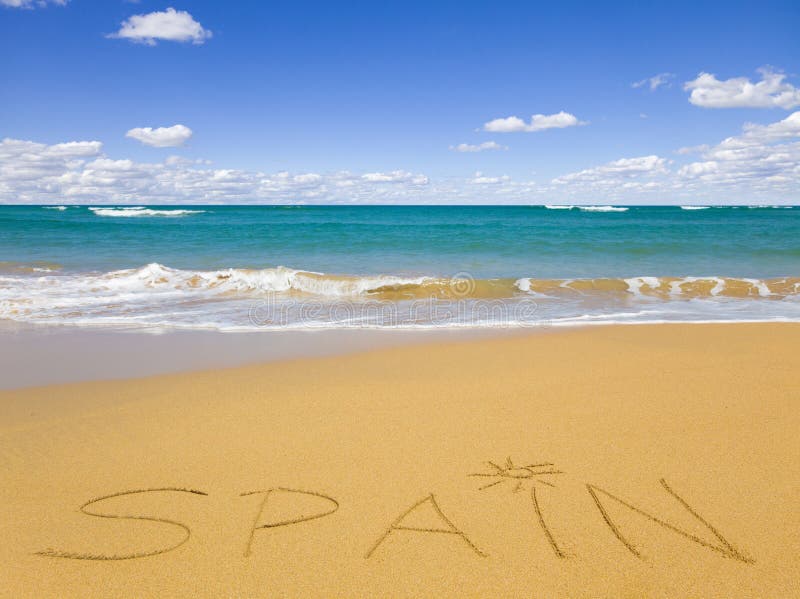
283	298
61	208
139	211
760	286
635	284
586	208
155	278
603	208
695	207
676	287
523	284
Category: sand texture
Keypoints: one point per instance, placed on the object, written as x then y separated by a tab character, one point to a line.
638	461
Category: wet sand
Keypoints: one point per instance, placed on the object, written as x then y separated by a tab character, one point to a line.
35	356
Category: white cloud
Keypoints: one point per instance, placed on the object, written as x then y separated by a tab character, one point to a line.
787	128
762	158
307	179
618	170
31	3
78	172
739	92
487	145
162	137
396	177
181	161
656	81
692	149
481	179
759	165
538	122
24	163
170	25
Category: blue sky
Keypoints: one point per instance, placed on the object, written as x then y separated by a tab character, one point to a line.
275	91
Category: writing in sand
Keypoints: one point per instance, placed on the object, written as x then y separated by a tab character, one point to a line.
531	478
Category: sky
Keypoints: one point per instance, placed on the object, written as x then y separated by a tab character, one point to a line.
161	101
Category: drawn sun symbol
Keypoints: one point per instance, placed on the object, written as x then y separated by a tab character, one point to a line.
518	474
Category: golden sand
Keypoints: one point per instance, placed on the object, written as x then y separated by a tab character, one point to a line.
621	461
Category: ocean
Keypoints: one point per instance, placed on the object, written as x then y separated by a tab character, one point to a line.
261	268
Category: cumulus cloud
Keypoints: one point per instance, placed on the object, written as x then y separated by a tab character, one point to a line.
26	164
538	122
33	172
692	149
739	92
656	81
618	170
785	129
480	179
31	3
162	137
487	145
624	180
762	158
170	25
395	177
760	164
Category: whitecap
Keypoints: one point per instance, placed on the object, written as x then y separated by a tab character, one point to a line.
603	208
139	211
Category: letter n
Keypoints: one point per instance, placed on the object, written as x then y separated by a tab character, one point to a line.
723	547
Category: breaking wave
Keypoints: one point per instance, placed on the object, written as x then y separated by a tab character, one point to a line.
139	211
603	208
586	208
668	287
281	298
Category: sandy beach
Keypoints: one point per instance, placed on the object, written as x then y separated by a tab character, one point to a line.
621	461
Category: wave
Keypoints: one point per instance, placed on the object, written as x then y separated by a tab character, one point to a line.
603	208
60	208
586	208
695	207
667	287
39	266
139	211
156	278
281	298
768	206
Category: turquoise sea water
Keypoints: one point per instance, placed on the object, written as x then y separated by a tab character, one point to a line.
260	267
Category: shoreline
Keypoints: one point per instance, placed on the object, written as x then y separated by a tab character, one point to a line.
47	355
602	461
44	355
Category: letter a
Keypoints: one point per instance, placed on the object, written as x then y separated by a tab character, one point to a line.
447	528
